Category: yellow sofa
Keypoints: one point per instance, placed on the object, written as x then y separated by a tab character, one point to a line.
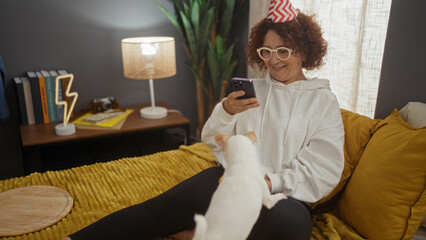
382	190
381	194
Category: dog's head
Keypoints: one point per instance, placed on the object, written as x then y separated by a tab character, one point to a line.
222	140
237	146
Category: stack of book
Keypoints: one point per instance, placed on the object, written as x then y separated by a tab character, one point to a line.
112	119
36	97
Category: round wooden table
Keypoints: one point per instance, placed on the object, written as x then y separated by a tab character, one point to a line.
32	208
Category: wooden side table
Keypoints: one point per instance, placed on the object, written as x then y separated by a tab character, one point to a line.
35	136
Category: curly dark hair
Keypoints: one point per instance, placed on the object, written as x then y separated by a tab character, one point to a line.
306	37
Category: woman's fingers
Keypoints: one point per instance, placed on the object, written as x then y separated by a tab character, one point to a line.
235	95
232	105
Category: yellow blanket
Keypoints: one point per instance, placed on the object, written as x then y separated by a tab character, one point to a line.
102	188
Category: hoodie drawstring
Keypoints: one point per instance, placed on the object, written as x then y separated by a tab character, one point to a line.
264	110
292	113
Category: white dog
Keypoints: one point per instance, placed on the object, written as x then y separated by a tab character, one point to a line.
237	202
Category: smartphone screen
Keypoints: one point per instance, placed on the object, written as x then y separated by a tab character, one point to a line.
244	84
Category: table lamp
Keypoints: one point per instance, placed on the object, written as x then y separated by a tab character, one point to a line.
148	58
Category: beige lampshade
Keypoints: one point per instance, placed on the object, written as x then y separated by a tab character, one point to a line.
147	58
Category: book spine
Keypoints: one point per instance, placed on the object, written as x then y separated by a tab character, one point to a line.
35	93
59	108
65	82
21	100
50	96
62	72
28	100
43	97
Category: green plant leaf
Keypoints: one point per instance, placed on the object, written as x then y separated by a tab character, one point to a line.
213	66
195	18
200	2
190	38
186	10
227	17
171	17
221	64
228	56
198	78
178	7
229	71
219	47
206	26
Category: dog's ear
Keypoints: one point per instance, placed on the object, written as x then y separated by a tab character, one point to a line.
221	139
252	136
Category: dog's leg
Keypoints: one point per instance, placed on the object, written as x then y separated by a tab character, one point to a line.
270	200
201	227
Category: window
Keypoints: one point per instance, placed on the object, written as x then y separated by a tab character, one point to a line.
356	32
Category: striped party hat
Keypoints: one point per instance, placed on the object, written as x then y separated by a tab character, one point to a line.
281	11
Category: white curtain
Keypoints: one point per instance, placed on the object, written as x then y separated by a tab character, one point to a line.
356	33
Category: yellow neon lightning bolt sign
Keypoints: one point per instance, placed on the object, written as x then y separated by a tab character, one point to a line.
67	112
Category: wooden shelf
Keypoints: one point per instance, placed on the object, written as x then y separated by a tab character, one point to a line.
44	150
40	134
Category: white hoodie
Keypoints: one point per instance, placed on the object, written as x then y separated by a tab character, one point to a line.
300	136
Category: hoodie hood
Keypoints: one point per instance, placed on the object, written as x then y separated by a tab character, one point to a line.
299	86
307	85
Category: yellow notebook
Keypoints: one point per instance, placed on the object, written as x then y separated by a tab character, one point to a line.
117	126
107	124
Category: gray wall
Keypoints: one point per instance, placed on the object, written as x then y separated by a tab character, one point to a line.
403	77
83	36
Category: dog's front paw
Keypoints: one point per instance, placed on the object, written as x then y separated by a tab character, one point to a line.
271	200
279	196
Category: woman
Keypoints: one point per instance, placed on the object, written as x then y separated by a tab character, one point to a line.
300	143
297	121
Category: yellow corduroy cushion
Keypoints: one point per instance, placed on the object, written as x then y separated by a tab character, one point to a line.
358	130
102	188
385	197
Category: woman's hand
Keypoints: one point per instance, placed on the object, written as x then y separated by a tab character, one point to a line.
232	105
268	181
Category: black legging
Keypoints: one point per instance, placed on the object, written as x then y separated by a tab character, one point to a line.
173	211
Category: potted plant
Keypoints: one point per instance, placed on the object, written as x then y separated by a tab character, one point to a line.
206	27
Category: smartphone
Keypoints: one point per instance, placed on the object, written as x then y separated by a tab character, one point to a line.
244	84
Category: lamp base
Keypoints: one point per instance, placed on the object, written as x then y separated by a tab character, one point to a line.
65	130
153	112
